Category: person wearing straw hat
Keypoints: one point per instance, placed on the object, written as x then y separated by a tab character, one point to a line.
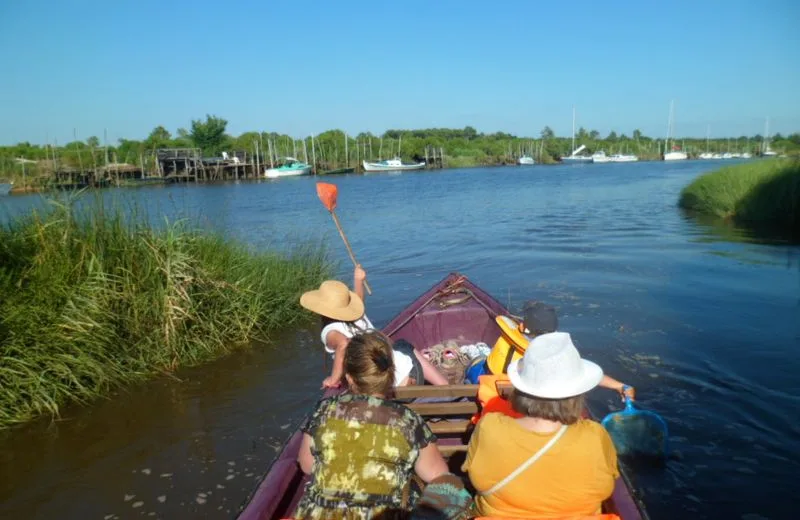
550	461
343	315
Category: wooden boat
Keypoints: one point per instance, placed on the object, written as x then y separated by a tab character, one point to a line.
455	308
338	171
391	165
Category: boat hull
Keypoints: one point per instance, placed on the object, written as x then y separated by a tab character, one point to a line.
624	158
453	308
526	161
576	160
675	156
378	167
274	173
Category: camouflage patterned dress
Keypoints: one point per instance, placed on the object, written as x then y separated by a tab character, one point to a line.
364	452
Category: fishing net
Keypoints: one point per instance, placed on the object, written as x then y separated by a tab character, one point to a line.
637	433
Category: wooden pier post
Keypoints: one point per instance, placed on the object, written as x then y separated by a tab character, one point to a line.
313	155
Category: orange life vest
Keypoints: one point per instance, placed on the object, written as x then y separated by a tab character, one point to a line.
490	399
606	516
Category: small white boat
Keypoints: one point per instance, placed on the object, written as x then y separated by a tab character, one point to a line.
290	168
5	187
621	157
747	155
675	155
600	157
709	156
391	165
526	160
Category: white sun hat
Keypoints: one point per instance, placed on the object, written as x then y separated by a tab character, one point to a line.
552	368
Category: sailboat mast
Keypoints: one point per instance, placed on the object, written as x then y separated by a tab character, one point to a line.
669	125
573	129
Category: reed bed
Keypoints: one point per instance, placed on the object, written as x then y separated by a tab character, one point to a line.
94	298
762	194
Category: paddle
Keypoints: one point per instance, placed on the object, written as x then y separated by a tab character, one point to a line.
637	432
327	194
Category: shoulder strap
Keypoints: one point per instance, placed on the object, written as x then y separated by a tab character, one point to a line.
525	465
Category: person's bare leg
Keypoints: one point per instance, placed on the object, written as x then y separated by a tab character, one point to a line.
430	372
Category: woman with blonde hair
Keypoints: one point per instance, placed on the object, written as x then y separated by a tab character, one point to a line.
550	462
360	448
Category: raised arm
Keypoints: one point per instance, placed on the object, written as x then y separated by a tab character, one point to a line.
359	275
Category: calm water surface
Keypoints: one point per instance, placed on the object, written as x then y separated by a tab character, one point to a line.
701	318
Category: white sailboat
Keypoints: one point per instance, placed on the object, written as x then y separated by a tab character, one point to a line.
574	157
766	151
676	154
623	157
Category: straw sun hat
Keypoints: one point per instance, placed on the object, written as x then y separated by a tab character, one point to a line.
552	368
334	300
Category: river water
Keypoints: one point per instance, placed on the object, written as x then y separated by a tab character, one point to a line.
702	318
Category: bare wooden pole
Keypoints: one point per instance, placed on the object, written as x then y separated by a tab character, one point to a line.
294	148
305	151
346	155
75	138
313	155
380	150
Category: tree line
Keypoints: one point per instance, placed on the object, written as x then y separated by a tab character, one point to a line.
334	148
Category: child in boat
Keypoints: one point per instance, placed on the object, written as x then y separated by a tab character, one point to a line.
343	316
570	462
360	448
538	318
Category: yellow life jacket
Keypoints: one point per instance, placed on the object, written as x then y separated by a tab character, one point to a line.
509	346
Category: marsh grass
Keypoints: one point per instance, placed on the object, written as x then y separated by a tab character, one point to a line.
760	194
93	297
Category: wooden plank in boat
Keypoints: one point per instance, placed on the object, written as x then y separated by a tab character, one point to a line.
415	391
504	389
444	427
455	408
448	450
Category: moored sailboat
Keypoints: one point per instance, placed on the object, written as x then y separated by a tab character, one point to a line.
675	154
575	157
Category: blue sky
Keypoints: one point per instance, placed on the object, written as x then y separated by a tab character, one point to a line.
304	67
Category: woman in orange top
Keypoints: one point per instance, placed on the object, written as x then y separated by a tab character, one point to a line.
571	462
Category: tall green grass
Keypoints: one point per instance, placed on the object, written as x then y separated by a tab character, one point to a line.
94	298
763	194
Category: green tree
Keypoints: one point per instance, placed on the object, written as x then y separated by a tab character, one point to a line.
93	142
158	138
547	133
637	134
209	135
594	135
612	136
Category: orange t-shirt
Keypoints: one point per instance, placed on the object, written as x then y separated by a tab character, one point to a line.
573	478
